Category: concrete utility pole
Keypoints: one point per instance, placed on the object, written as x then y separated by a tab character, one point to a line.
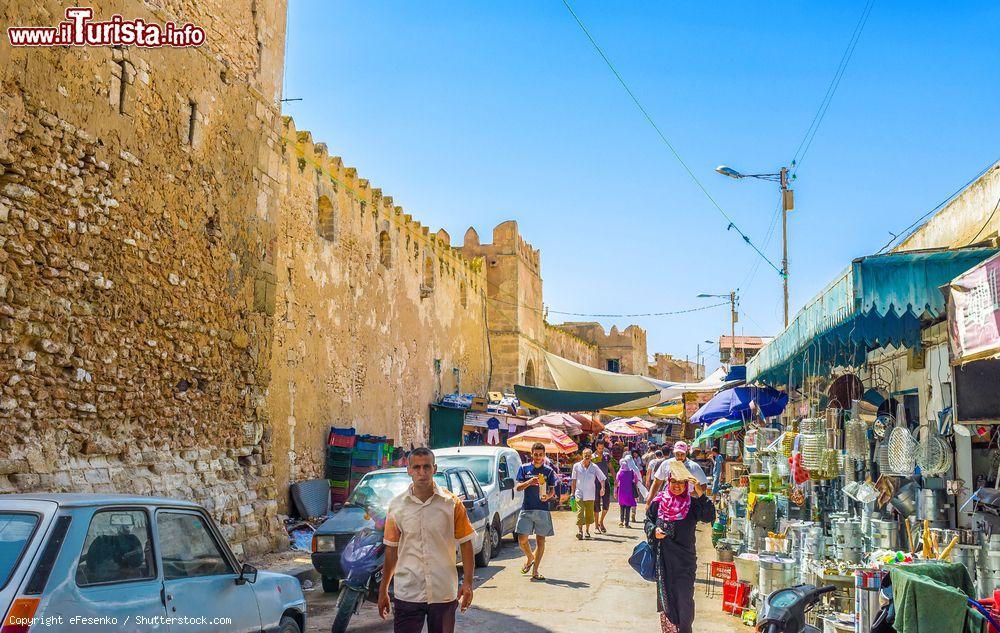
787	204
732	327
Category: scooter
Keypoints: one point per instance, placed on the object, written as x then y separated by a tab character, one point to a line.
362	561
784	610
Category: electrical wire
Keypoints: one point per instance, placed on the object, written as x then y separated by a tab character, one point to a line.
670	146
610	316
905	232
986	223
831	89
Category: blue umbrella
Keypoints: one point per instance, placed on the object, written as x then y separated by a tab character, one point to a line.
735	403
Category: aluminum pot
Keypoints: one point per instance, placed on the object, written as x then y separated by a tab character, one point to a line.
850	553
776	573
905	500
884	534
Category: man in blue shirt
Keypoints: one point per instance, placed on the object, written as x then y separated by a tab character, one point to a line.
717	461
538	482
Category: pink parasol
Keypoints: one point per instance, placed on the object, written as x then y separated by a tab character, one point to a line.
555	441
620	427
562	421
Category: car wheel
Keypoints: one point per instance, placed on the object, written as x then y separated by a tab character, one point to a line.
486	553
331	584
496	539
288	625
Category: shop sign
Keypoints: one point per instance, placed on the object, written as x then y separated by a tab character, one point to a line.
974	312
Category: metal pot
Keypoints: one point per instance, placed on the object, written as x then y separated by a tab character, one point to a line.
850	553
905	500
884	534
776	573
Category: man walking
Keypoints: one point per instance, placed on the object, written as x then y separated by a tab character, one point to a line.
423	526
586	479
602	459
538	483
651	468
663	471
717	461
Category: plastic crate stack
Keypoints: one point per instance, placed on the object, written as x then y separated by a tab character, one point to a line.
369	454
339	451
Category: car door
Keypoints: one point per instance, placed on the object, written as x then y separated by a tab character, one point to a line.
505	498
200	576
479	512
112	580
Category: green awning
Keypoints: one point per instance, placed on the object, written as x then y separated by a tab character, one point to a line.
879	300
575	401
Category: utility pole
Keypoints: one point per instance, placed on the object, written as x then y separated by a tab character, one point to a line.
787	204
732	328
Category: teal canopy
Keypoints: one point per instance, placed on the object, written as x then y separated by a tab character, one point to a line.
717	429
879	300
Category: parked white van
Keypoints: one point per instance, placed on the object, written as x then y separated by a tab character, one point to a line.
495	468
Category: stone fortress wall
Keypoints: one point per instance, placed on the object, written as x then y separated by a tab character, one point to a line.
376	316
192	290
137	216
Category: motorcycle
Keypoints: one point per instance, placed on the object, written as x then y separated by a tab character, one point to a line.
784	610
362	561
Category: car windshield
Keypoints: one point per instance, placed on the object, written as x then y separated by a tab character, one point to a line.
480	465
376	490
15	532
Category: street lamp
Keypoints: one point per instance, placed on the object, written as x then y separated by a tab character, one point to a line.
697	358
787	204
734	317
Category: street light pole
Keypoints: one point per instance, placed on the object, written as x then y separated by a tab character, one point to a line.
732	328
787	204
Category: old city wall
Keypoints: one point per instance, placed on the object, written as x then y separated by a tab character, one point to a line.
627	346
514	307
570	346
137	219
376	316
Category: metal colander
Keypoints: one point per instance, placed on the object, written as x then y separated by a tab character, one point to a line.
856	439
812	447
933	455
902	451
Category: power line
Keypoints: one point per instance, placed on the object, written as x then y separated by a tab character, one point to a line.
587	314
905	232
831	89
649	119
986	223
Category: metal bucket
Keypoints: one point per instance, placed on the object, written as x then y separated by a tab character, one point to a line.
884	534
991	561
988	583
967	555
850	553
847	533
776	573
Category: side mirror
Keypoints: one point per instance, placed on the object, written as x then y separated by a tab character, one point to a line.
507	484
248	574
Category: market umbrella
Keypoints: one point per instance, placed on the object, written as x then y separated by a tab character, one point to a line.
734	403
562	421
620	427
555	441
588	423
717	429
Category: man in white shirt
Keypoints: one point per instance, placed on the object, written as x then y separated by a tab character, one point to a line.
663	471
586	479
652	465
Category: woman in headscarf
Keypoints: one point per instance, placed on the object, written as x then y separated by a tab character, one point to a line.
625	490
671	518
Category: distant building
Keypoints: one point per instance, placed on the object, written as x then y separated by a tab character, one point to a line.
743	348
621	351
666	367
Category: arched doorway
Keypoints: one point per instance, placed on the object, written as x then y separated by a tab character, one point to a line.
529	373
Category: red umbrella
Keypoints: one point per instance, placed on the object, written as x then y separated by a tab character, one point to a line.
555	441
589	423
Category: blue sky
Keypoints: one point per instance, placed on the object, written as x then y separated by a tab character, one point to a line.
472	113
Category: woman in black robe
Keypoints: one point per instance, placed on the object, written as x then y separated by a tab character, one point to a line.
670	528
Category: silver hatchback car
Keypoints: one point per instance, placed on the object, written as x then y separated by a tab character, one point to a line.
75	562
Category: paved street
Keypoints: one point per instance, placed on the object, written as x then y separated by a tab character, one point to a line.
589	585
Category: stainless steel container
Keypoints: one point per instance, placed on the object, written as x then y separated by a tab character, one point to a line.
776	573
931	507
991	561
850	553
884	534
987	583
967	555
847	533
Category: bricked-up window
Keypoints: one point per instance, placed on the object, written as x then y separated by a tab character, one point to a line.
385	249
326	219
463	295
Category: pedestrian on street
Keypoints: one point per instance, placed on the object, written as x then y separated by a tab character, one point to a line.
423	526
587	482
670	524
602	459
680	455
717	461
624	485
534	517
651	468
